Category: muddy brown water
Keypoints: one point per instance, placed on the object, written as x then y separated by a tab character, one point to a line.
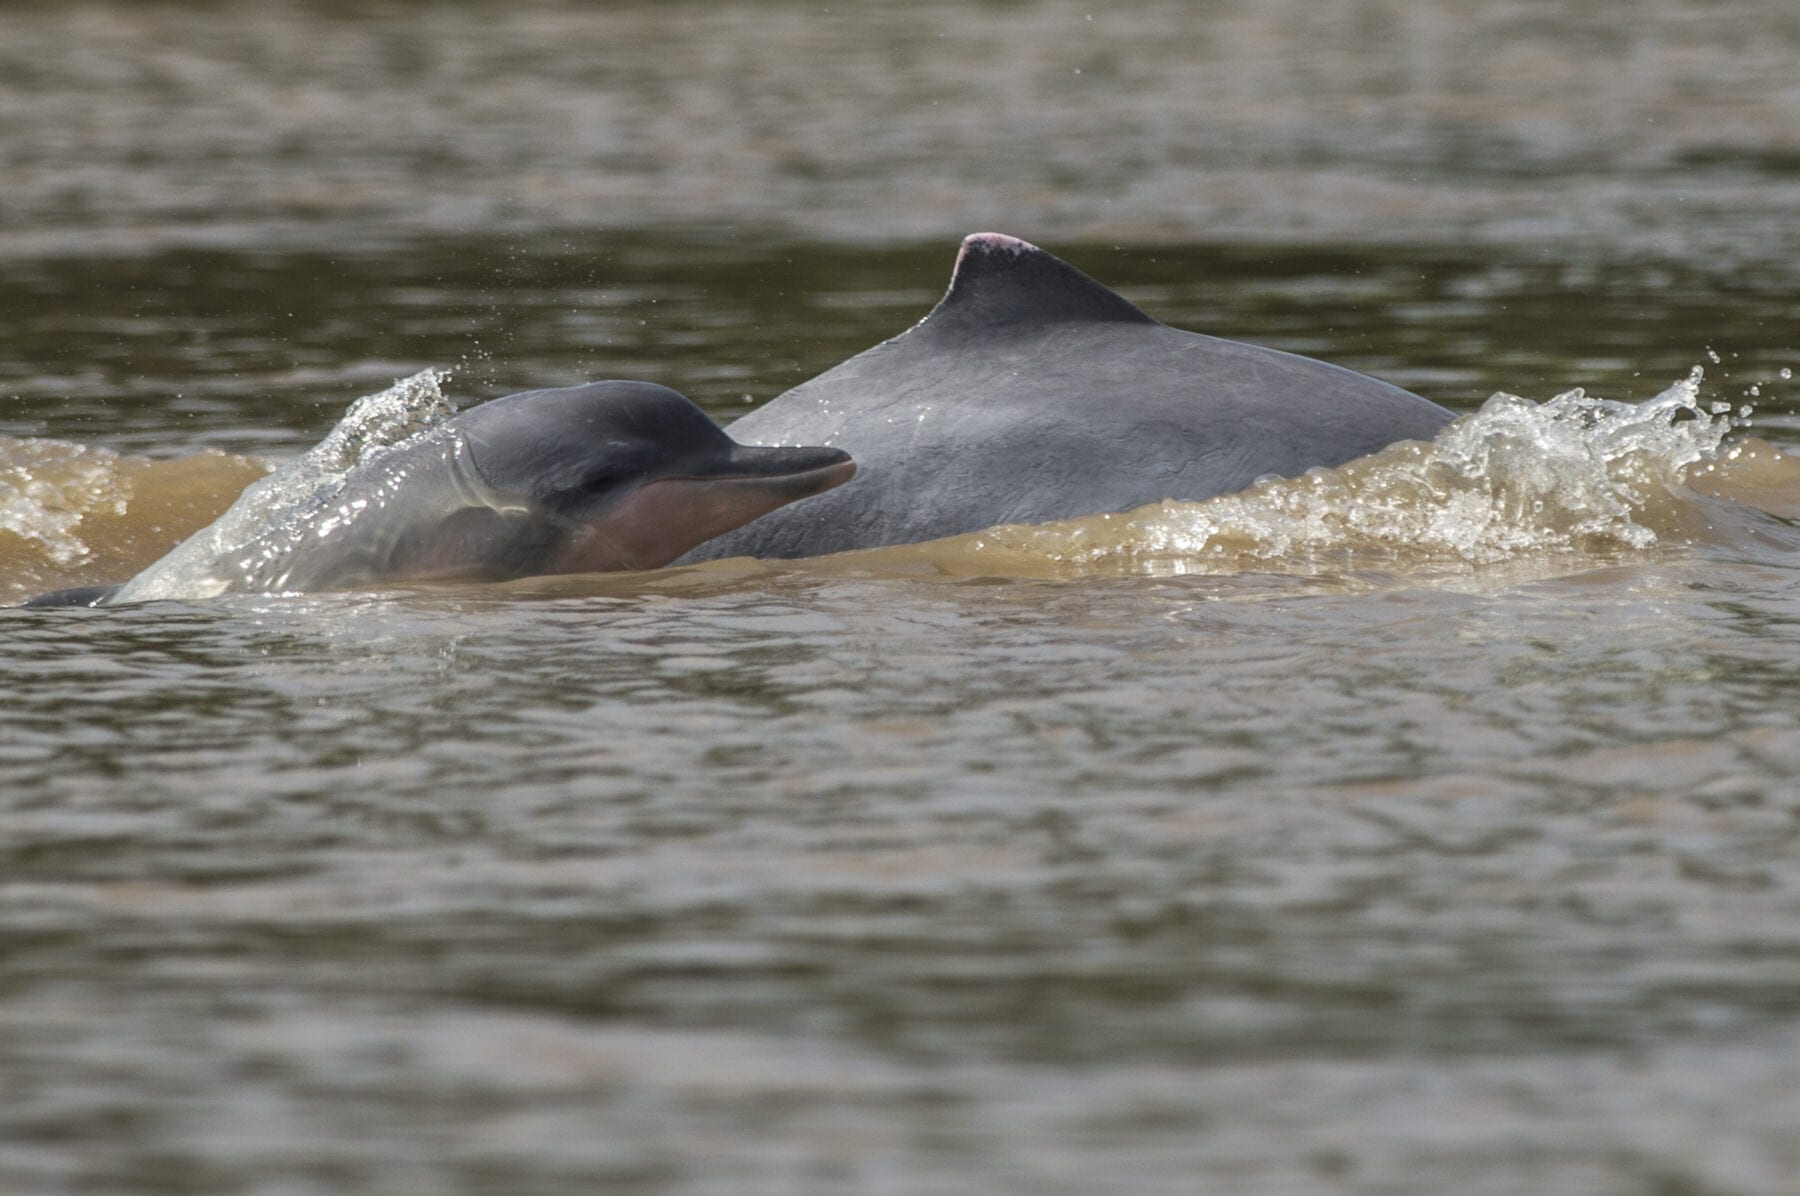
1270	848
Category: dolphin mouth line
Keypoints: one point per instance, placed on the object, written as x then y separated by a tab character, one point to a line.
812	478
666	516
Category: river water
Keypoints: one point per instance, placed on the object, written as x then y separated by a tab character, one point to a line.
1432	826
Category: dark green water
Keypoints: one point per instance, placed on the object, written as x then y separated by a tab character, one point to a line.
1404	876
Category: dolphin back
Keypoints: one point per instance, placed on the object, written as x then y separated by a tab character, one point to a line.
1032	393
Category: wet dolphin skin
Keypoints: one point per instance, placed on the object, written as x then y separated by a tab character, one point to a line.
581	479
1032	393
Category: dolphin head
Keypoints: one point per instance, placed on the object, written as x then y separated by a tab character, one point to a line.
633	473
583	479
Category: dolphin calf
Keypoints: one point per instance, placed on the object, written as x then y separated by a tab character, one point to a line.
1032	393
581	479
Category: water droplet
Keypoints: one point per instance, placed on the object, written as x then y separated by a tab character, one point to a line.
1786	373
1712	356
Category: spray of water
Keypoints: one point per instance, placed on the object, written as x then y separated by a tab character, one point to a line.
1515	478
48	486
1517	481
289	502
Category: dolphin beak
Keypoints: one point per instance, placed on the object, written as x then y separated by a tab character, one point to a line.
666	516
788	473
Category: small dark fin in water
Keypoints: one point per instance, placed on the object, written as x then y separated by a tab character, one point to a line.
1001	281
78	596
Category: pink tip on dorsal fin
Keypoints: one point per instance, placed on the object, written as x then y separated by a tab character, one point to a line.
1004	282
976	243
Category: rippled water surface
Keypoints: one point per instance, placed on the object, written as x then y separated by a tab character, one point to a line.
1377	867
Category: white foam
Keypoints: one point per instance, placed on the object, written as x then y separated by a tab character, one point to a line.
296	499
47	486
1516	478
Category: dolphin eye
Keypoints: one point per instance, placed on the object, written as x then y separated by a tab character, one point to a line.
600	480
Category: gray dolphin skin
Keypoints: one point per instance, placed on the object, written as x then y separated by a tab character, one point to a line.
581	479
1032	393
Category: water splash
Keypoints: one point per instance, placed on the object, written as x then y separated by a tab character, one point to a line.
47	487
1516	478
1518	481
284	505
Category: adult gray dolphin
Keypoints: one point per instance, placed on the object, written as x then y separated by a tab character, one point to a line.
1032	393
581	479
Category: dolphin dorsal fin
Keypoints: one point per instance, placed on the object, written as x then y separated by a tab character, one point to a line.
1001	283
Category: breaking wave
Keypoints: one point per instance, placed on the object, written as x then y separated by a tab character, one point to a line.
48	487
278	510
1516	478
